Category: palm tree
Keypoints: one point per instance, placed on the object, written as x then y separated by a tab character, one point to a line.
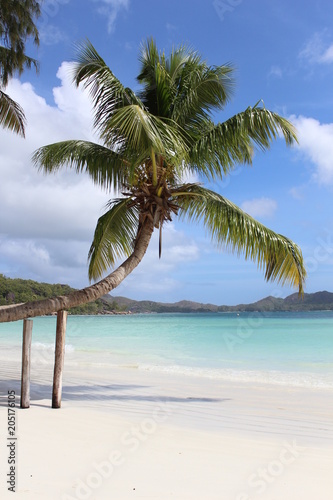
148	140
16	25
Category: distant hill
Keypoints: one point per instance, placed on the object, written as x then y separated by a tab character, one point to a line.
310	302
317	301
14	291
149	306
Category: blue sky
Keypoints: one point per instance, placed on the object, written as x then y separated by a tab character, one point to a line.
282	53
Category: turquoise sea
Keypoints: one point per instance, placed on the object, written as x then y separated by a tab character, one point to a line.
291	349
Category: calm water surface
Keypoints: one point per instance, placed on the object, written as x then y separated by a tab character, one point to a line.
281	348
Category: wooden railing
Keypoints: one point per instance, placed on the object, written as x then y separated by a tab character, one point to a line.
59	358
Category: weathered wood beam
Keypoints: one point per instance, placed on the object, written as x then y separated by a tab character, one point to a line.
59	358
26	363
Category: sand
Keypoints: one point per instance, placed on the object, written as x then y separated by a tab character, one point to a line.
124	433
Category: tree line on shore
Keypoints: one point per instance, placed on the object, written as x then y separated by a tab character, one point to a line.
15	291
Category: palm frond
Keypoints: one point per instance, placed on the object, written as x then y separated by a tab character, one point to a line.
177	59
219	149
224	145
11	114
232	228
200	90
263	125
114	237
106	168
182	86
154	79
107	92
141	131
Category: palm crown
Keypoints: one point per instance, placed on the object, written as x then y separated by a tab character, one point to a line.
150	138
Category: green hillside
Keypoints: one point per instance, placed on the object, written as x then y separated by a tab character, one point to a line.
15	291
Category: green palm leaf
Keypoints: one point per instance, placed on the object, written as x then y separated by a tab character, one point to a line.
107	92
156	93
11	114
182	86
227	144
263	126
200	89
142	131
106	168
114	236
220	148
232	228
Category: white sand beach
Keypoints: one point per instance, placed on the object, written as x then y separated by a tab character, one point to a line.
125	433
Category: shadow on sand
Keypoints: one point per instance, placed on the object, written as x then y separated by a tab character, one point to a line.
108	392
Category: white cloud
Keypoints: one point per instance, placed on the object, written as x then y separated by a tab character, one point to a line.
260	207
327	56
46	221
188	176
29	250
55	261
111	9
316	144
317	50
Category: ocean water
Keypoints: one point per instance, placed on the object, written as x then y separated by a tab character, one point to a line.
290	349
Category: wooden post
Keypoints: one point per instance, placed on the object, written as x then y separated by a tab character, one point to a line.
59	358
26	363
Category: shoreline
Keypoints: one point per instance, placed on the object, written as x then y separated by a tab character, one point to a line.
104	361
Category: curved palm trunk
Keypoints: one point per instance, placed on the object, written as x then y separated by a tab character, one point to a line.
89	294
